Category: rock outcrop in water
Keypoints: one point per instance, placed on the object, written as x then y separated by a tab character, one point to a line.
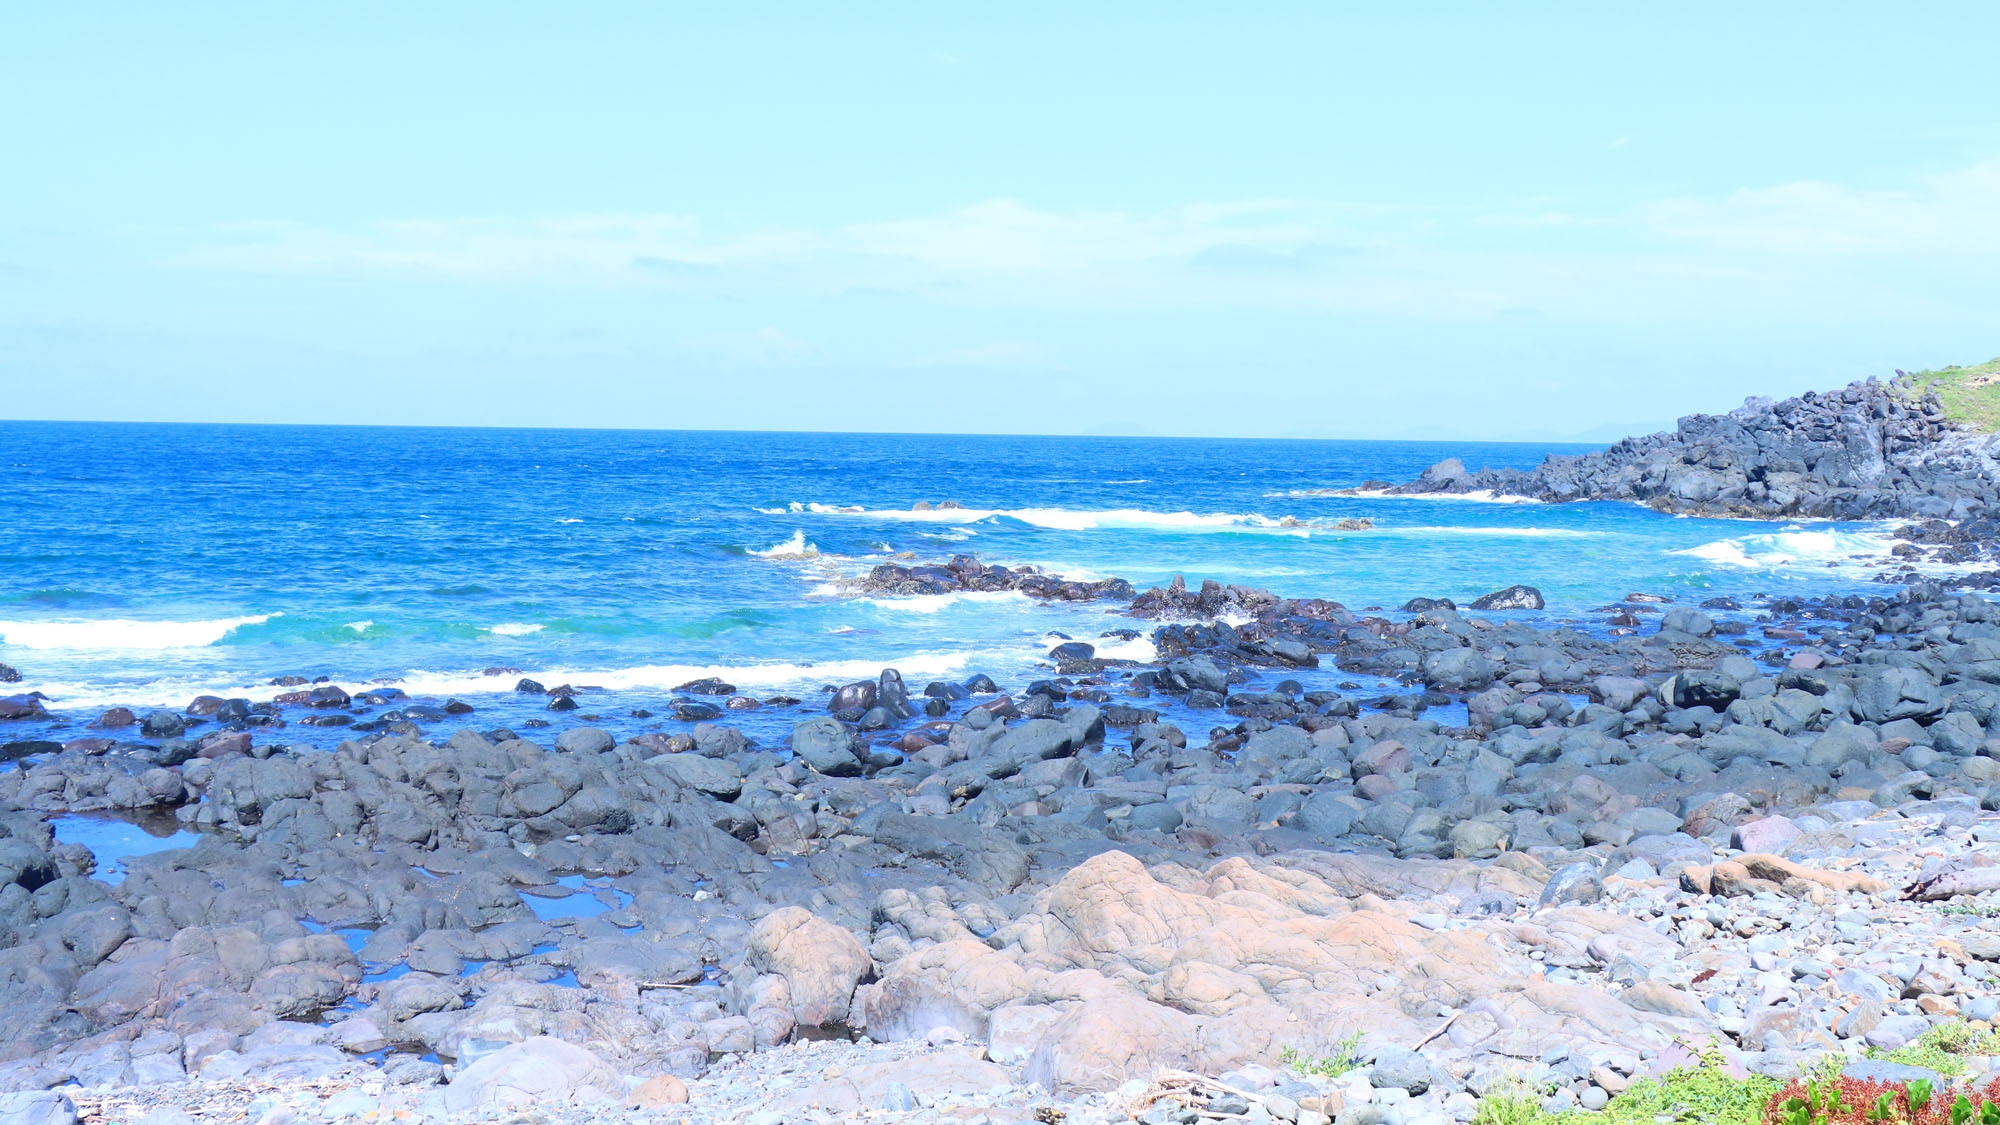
965	573
1867	451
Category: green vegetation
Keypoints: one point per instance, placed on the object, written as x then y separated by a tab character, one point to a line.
1516	1106
1346	1056
1971	909
1703	1093
1970	394
1943	1048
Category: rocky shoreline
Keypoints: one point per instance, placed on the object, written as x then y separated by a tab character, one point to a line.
1868	451
1551	859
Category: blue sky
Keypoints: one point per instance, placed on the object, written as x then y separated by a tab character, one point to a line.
1310	220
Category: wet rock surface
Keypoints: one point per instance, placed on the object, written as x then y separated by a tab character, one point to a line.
1770	826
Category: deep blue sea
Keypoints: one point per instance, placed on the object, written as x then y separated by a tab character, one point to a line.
143	565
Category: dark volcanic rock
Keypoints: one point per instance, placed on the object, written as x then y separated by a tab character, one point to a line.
828	747
1870	450
1513	597
965	572
8	675
162	724
20	707
1072	651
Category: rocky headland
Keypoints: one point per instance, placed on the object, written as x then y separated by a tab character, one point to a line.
1868	451
1555	860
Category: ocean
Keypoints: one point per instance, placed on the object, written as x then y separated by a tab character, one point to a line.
143	565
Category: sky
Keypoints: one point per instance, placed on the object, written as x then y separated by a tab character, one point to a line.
1311	220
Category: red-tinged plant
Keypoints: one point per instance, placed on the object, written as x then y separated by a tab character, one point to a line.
1852	1101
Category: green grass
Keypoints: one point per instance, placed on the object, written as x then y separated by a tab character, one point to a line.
1970	394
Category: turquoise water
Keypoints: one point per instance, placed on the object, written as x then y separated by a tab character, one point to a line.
144	565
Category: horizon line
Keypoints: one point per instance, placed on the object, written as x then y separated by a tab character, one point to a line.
1598	443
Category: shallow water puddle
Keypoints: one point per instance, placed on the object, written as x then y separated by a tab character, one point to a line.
378	974
113	842
581	902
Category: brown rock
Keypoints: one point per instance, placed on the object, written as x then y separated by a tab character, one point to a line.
1382	758
821	963
1749	874
955	984
1725	811
659	1090
1102	1044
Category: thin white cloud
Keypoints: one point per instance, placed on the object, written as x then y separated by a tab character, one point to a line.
1357	257
1956	214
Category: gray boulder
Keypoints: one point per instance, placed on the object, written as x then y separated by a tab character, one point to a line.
1458	669
1897	693
1326	816
1685	619
828	747
1200	673
37	1107
585	740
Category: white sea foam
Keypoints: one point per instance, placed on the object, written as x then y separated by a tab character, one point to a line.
664	677
1070	572
1139	648
932	603
1074	519
1495	532
358	626
1797	547
797	547
118	634
1480	496
174	691
515	629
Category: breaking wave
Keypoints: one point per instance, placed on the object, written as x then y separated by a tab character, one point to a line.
123	635
797	547
1795	547
515	629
